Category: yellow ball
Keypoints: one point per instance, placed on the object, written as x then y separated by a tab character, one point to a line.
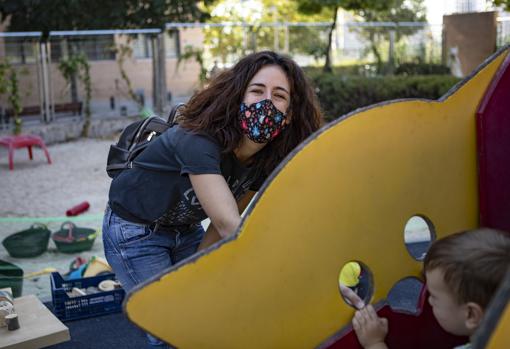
349	275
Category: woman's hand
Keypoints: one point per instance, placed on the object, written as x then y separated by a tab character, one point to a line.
370	328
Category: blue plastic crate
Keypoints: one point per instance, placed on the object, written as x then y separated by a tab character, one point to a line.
101	303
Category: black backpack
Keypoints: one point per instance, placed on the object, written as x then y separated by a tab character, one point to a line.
134	139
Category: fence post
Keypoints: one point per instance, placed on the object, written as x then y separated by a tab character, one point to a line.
245	38
286	48
391	53
276	38
159	73
45	90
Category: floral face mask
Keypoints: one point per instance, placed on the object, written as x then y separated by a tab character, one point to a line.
261	121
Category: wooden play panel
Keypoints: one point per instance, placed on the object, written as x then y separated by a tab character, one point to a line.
345	194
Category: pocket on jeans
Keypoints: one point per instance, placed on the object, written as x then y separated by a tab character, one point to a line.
132	233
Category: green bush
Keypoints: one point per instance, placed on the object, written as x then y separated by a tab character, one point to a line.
368	69
422	69
340	95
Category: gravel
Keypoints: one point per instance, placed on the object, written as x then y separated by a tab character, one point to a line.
37	192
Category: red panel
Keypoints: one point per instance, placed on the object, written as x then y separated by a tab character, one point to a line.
493	133
405	331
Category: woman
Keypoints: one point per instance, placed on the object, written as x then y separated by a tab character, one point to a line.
230	136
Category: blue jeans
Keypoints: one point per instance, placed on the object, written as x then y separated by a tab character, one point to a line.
137	253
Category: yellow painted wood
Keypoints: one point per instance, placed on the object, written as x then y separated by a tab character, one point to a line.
347	194
500	338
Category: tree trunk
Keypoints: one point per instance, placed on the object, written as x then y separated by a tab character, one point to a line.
327	64
375	51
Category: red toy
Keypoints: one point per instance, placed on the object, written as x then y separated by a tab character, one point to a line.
78	209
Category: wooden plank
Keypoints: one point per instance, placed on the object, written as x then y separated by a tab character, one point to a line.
38	326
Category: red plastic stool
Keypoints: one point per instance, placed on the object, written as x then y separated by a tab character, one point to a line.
23	141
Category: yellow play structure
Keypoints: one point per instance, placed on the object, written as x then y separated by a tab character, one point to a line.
345	194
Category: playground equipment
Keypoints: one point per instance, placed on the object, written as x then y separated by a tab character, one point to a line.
345	195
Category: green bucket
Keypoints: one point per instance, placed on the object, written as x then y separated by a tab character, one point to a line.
72	239
11	276
28	243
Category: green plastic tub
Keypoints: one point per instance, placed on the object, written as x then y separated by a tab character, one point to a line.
11	276
73	239
27	243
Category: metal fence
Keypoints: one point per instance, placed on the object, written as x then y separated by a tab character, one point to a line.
55	77
307	42
140	71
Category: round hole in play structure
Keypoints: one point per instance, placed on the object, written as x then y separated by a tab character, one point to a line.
356	284
405	295
419	234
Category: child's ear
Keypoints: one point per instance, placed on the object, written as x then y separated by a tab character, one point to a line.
474	315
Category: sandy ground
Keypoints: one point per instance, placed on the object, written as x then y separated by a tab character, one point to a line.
38	192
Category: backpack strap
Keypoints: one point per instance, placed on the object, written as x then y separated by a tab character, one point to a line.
113	167
139	132
171	116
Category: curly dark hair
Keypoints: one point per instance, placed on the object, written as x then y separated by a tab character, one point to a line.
214	110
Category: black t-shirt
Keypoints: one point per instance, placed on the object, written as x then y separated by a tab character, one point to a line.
158	188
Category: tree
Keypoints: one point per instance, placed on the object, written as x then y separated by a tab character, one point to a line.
233	41
53	15
399	11
332	6
505	3
369	10
47	15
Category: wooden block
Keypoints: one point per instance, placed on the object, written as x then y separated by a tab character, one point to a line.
38	326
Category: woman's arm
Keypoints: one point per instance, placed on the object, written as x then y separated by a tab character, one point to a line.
212	235
217	201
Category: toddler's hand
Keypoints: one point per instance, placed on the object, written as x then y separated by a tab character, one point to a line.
370	328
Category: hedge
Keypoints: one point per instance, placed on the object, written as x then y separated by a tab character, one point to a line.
370	69
339	95
422	69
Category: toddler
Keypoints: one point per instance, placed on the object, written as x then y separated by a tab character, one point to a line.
462	273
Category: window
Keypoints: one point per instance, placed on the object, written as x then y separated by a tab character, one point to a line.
20	51
95	47
142	46
58	49
172	44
